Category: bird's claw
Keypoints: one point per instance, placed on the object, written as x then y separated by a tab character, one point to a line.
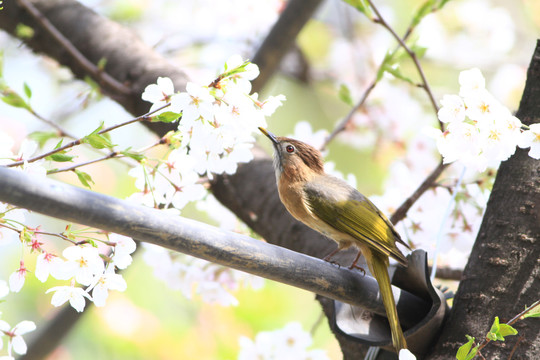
354	266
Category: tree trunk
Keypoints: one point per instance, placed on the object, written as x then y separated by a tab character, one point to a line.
502	276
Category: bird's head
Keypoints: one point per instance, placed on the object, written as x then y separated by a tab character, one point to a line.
293	159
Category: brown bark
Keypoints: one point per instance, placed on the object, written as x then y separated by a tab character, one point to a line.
502	276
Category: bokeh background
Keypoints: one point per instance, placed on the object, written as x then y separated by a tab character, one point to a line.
384	148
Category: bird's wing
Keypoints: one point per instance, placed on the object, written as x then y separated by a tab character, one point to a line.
353	214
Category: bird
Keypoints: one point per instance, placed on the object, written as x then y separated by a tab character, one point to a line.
332	207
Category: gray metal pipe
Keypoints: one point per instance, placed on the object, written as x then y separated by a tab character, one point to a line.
70	203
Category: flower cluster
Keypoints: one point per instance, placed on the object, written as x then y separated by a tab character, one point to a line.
80	264
291	342
480	131
215	133
213	283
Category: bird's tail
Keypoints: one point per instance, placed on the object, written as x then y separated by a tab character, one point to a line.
379	268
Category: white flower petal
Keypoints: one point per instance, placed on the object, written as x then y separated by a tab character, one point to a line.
18	344
24	327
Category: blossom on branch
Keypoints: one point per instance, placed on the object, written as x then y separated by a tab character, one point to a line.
74	295
531	138
480	132
215	133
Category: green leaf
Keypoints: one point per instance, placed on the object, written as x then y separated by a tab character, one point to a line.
41	137
533	313
361	5
499	331
492	334
166	117
101	64
465	352
84	178
27	91
134	155
506	330
59	144
24	32
386	61
441	4
60	157
98	141
345	95
425	9
237	70
420	51
10	97
95	89
397	73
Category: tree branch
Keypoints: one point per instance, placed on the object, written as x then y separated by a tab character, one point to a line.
102	77
230	249
281	39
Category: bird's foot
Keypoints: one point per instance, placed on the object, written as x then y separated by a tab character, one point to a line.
332	262
354	266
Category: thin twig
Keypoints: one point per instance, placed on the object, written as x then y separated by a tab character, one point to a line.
343	123
412	54
61	131
401	212
514	348
511	322
101	76
61	236
79	141
113	154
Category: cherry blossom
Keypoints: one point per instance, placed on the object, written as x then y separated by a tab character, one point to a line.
452	110
83	263
123	248
74	295
215	134
195	103
48	264
16	341
159	94
102	284
291	342
531	138
213	283
16	279
480	131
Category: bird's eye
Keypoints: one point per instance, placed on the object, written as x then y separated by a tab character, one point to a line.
290	149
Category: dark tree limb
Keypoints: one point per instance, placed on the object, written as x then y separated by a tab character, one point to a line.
503	272
70	203
281	38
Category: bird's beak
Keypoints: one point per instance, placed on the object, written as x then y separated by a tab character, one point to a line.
269	135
